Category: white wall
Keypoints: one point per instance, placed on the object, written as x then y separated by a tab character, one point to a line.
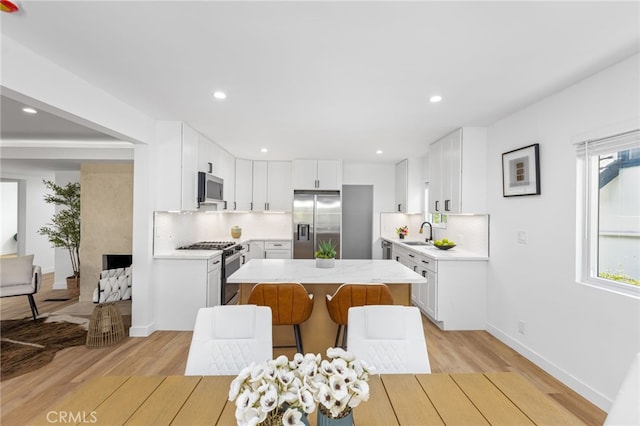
382	177
584	336
8	217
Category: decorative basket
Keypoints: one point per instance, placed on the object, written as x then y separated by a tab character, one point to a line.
105	327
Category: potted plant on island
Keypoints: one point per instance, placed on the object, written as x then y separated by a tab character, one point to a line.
325	255
64	229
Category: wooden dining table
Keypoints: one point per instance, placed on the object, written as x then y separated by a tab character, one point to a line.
502	398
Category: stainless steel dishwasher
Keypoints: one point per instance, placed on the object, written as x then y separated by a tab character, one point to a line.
386	249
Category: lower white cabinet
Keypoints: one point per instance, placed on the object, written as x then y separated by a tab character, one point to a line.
269	249
183	286
277	249
454	297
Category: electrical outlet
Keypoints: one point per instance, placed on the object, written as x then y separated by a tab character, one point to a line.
521	327
522	237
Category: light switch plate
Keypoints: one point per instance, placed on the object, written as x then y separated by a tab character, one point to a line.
522	237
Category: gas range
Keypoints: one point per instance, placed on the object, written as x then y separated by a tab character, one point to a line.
210	245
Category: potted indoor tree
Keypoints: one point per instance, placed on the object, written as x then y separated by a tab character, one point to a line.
64	229
325	255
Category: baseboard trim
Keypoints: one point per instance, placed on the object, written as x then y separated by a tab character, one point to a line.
145	331
595	397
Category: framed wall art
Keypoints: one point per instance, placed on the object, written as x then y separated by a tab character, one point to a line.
521	171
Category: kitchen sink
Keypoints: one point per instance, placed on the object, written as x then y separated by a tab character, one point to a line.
416	243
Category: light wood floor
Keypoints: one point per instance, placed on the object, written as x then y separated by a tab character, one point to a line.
165	353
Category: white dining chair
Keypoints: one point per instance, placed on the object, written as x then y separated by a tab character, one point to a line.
228	338
389	337
626	407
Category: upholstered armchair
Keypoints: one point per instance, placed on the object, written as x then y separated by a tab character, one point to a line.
20	277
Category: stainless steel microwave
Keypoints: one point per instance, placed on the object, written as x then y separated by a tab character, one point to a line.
210	188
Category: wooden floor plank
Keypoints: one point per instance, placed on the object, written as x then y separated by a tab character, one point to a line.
541	409
377	408
82	404
206	402
449	401
410	403
495	407
116	410
165	402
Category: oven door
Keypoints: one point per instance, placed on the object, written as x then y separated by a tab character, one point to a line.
230	291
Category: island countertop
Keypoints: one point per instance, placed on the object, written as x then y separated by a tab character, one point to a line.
345	270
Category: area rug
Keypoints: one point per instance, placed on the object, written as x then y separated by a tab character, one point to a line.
27	344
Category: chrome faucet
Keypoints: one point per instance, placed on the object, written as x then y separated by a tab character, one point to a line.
430	231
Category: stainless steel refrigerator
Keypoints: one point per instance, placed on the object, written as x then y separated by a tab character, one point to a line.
316	218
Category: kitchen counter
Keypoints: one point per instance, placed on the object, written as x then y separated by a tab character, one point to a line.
318	332
432	251
305	271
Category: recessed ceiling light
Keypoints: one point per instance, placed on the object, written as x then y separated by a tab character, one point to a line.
379	152
435	98
264	150
29	110
219	95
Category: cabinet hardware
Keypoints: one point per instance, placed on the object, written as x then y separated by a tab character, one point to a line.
266	206
425	261
225	205
251	205
216	262
415	268
437	208
446	205
234	205
399	207
411	255
277	245
397	258
210	167
424	273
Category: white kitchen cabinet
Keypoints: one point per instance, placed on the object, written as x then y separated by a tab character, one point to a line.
208	156
260	184
255	250
277	249
280	186
409	186
244	185
317	174
457	172
189	168
263	185
227	171
183	286
454	297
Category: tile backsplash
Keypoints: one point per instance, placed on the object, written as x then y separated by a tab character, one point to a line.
470	232
173	230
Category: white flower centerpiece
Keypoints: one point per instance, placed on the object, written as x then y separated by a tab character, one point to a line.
340	385
283	392
273	392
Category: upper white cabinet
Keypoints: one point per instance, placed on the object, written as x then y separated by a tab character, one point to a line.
263	185
227	171
457	172
409	186
317	174
189	168
208	156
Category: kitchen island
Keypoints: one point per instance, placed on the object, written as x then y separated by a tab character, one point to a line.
318	332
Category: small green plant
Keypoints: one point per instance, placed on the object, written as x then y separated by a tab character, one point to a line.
326	250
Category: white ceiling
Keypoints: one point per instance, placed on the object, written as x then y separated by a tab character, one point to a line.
329	79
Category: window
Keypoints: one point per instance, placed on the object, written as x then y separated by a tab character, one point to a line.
609	209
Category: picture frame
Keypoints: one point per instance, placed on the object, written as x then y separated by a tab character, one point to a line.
521	171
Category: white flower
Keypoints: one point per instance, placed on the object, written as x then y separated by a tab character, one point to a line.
324	396
281	361
292	417
269	401
338	387
306	399
340	353
248	417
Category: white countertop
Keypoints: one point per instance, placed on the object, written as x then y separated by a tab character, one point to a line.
455	253
305	271
188	254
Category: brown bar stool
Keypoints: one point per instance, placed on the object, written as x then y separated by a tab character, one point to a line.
351	294
289	302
